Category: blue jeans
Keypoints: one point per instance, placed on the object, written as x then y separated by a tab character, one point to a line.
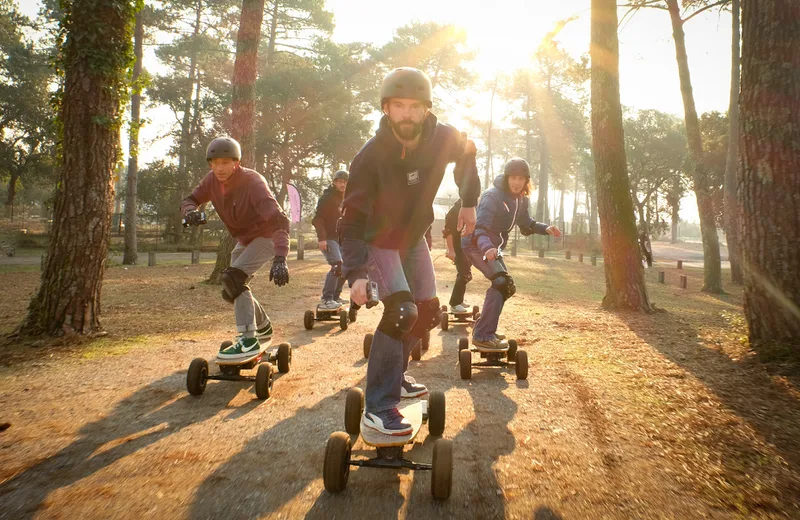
332	288
394	271
493	304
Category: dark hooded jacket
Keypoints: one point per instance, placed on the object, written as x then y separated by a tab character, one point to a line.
327	214
498	213
389	197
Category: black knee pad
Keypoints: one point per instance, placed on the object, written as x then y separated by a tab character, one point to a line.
466	277
336	269
399	315
234	283
429	317
504	284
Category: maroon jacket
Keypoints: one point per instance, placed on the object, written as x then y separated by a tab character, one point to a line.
246	206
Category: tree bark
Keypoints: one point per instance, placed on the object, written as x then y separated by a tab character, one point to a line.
675	219
625	285
130	255
243	105
769	170
731	163
712	268
12	193
575	206
486	180
68	298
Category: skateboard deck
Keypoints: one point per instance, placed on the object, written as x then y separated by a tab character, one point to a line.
488	350
243	361
412	409
460	314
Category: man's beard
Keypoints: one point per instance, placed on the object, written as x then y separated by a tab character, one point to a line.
406	129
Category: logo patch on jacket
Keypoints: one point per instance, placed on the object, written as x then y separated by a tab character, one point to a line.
413	177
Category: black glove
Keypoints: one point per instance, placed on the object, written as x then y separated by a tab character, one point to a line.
194	218
279	272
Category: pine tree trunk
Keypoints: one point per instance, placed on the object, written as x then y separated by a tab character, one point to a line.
712	268
625	286
541	203
769	170
243	105
130	255
674	225
731	163
12	193
68	299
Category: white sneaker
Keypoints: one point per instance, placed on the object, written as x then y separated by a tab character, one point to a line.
459	309
329	305
388	422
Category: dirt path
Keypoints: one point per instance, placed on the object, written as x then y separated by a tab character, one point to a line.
622	416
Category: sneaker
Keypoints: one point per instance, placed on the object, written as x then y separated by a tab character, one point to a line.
343	301
243	348
491	344
329	305
461	309
264	333
499	336
411	389
388	422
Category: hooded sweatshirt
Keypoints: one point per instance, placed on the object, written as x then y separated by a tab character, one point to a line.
389	197
498	213
327	214
246	207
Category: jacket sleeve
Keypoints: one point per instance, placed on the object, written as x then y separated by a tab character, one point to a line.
319	221
451	220
483	225
527	225
465	172
200	195
268	207
356	209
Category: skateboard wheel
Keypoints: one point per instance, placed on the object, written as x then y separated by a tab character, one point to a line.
445	322
353	410
353	314
442	469
196	376
336	467
426	341
284	357
308	320
416	352
476	312
463	344
264	381
512	350
444	309
521	365
465	364
367	344
437	411
343	319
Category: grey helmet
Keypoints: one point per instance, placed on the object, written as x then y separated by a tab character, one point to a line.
407	83
517	166
224	147
341	174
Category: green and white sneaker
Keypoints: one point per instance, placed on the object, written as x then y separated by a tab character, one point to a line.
264	333
243	348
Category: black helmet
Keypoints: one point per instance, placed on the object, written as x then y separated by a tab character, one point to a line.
407	83
341	174
224	147
517	166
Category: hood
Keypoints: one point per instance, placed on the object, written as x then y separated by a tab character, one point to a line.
386	137
498	182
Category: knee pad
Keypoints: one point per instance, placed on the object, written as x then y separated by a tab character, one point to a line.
399	315
504	284
466	277
234	283
336	269
429	317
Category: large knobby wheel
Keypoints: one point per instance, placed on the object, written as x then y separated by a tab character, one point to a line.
284	357
264	381
353	410
426	341
308	320
196	376
416	352
343	319
512	350
353	314
367	344
476	312
445	321
463	344
442	470
437	412
336	467
522	364
465	364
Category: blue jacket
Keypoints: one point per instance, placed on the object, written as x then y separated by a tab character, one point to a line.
498	212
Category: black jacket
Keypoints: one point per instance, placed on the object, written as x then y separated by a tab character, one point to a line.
451	223
389	197
327	214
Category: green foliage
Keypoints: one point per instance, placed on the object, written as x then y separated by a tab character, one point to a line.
714	129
